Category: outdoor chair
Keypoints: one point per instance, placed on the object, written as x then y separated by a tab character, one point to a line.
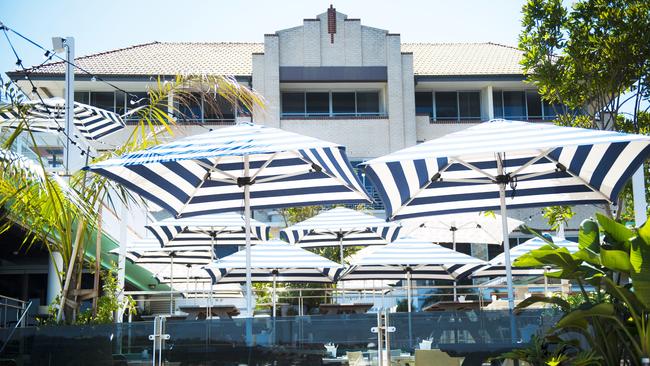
512	363
435	357
356	359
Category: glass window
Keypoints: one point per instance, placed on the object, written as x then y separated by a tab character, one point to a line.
120	103
82	97
368	102
424	103
217	108
446	105
343	103
469	104
104	100
514	104
293	103
318	103
551	110
189	106
497	104
534	104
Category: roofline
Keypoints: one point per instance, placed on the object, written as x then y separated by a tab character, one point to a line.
477	77
15	75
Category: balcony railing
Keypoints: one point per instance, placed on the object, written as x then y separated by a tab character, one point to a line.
197	121
334	115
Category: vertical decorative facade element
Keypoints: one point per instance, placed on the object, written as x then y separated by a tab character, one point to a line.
331	22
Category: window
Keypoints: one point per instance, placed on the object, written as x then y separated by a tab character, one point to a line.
469	105
293	103
456	105
343	103
424	103
523	105
446	105
367	102
317	103
347	103
120	103
104	100
82	97
190	106
533	104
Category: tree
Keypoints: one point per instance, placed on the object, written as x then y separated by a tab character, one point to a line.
590	61
63	215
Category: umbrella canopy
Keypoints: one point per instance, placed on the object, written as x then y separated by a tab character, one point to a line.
245	166
213	229
422	259
277	260
500	164
207	173
542	164
496	266
458	228
340	227
150	252
49	116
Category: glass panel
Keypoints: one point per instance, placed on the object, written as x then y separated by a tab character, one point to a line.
218	108
497	104
368	102
514	104
424	103
293	103
104	100
534	104
470	105
343	103
551	110
120	103
81	97
318	103
189	107
446	105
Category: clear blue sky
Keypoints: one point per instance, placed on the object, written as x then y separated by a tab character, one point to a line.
100	25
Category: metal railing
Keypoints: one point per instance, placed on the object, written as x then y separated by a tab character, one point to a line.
11	311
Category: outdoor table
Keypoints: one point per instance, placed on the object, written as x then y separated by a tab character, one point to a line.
452	305
342	360
221	311
166	316
333	309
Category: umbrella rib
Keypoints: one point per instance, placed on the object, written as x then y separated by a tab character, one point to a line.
533	175
531	162
415	194
472	167
266	163
196	190
582	180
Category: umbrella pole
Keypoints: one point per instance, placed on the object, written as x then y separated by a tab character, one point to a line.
506	246
171	282
208	314
273	297
408	290
453	239
247	230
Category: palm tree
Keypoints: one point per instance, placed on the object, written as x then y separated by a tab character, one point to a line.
63	214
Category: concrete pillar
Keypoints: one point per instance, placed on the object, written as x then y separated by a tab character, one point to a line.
54	268
395	93
639	191
408	107
487	103
272	80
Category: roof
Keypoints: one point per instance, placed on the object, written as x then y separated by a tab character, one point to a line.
225	58
441	59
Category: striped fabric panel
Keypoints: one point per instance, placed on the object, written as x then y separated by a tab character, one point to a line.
292	264
461	228
496	266
228	227
553	165
144	253
425	260
357	228
188	176
92	123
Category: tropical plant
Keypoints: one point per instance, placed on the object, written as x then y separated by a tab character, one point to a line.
62	215
612	270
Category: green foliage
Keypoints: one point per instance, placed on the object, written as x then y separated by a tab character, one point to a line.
563	353
558	215
614	318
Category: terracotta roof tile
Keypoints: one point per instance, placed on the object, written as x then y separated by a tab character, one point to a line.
223	58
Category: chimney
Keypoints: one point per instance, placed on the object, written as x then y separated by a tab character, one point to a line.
331	22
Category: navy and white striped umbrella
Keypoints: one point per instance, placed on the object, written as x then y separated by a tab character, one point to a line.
410	258
212	229
471	227
246	166
501	164
341	227
274	261
496	267
49	116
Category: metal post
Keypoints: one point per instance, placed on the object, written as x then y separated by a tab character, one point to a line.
121	260
171	284
640	204
408	289
506	239
247	218
387	336
340	235
380	338
69	99
453	240
273	297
